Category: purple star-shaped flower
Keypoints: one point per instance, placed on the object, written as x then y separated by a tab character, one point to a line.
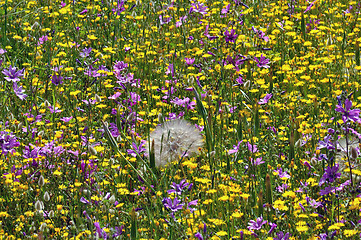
230	36
12	74
262	61
174	205
179	188
256	225
330	175
347	113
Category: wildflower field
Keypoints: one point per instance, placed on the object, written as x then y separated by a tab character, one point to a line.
180	119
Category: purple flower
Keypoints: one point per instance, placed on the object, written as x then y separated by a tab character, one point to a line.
349	114
12	75
8	142
330	175
100	231
235	148
282	173
66	119
86	52
2	51
265	99
262	61
19	91
257	162
252	148
164	20
199	236
137	149
273	227
174	205
83	200
226	9
282	236
179	188
310	6
189	61
326	143
118	231
57	79
230	36
256	225
198	8
260	34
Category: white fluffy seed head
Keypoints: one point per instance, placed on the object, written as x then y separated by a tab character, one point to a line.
175	139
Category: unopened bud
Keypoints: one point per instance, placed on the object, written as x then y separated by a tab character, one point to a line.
354	153
39	205
92	150
298	143
160	118
268	189
119	138
41	134
47	103
131	117
247	84
46	197
97	98
51	214
20	125
112	199
42	227
41	181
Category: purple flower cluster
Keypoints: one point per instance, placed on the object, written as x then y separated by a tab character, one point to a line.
8	142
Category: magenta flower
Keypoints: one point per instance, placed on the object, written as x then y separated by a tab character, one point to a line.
189	61
265	99
12	75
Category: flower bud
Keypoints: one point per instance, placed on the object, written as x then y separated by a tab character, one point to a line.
268	189
298	143
97	98
112	199
92	150
47	103
42	227
119	138
41	181
46	196
160	118
41	134
354	153
131	117
247	84
51	214
39	205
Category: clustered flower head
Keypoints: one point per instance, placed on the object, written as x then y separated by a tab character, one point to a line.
175	139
